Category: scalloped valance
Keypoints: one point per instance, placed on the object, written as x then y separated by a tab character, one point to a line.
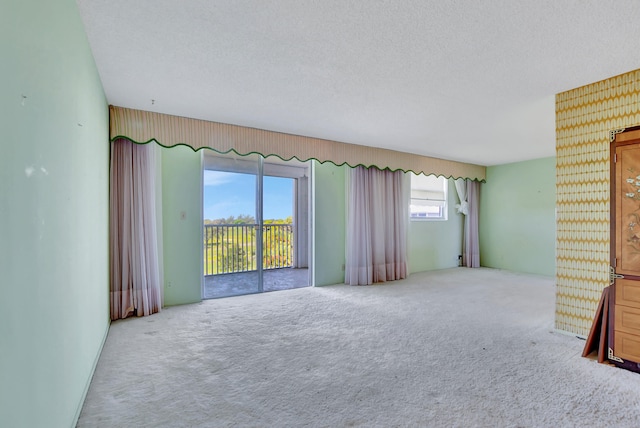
143	126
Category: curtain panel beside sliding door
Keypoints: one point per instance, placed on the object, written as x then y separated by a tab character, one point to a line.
135	285
377	226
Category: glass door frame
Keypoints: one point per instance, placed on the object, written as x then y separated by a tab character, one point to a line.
260	222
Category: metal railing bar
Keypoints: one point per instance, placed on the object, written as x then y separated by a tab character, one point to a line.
231	248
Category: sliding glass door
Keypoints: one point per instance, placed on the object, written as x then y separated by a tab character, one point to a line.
232	203
256	225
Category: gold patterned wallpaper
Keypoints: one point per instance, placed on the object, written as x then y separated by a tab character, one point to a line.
584	118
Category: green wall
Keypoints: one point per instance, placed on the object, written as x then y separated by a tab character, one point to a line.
517	217
329	223
54	160
437	244
182	225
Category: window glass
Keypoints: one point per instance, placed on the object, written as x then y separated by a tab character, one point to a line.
428	199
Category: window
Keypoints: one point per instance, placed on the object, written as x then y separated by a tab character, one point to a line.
428	197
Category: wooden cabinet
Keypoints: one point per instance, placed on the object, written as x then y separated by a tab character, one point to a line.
624	325
623	314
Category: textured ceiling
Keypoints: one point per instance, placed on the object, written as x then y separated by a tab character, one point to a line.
466	80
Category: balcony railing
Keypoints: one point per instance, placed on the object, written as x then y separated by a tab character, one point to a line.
230	248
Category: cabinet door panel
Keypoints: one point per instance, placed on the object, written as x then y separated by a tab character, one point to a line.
628	293
627	346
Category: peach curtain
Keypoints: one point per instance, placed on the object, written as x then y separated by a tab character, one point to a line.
135	285
471	226
469	196
377	226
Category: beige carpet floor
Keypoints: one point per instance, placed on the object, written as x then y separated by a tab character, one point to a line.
451	348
